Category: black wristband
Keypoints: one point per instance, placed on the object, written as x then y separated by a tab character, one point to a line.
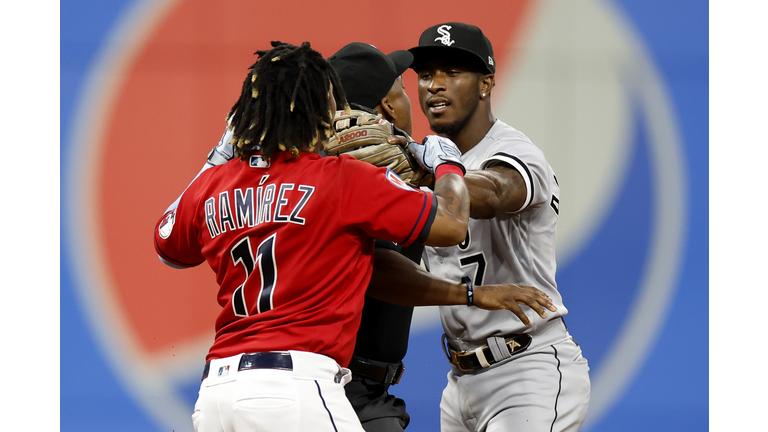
470	290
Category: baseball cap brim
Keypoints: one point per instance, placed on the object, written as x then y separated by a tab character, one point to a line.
366	73
402	60
423	52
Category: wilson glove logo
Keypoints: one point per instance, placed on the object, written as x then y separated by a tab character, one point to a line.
352	135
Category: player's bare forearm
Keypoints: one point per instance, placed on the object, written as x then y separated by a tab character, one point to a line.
494	191
452	217
398	280
453	197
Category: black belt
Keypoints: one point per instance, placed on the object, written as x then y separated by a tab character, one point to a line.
384	373
259	360
469	361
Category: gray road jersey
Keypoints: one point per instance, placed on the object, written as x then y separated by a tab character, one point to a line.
518	248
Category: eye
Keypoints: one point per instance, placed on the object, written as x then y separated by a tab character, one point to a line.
425	75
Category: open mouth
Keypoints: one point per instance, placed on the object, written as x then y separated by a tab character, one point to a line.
438	106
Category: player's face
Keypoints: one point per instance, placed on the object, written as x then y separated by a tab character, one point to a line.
449	95
331	101
401	104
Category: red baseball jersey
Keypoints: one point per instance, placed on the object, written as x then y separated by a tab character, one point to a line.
291	242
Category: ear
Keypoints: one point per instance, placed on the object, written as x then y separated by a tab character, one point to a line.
486	84
387	110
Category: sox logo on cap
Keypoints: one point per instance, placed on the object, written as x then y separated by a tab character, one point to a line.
445	37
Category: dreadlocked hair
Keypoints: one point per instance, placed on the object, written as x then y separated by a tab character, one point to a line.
284	103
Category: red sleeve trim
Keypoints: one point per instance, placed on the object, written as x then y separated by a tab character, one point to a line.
423	225
165	256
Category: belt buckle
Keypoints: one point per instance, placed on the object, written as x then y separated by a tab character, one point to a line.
455	359
394	375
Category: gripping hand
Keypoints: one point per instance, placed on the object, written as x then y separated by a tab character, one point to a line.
434	151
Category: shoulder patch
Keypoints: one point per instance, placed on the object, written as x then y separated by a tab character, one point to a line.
166	225
397	181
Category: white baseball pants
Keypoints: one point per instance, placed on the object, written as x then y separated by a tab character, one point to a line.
308	398
544	389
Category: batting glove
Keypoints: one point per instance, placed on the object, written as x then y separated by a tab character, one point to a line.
224	151
435	151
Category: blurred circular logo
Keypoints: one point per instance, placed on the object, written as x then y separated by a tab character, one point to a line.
584	90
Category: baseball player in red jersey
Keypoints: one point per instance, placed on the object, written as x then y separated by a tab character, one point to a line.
290	236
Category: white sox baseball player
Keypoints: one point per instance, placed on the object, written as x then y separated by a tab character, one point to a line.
505	376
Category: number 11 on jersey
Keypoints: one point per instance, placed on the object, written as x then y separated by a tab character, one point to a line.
242	253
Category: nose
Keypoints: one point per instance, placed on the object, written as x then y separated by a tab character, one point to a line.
437	83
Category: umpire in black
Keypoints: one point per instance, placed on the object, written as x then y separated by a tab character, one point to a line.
372	82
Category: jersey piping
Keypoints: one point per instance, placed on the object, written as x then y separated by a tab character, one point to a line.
522	168
427	224
165	257
330	416
559	388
